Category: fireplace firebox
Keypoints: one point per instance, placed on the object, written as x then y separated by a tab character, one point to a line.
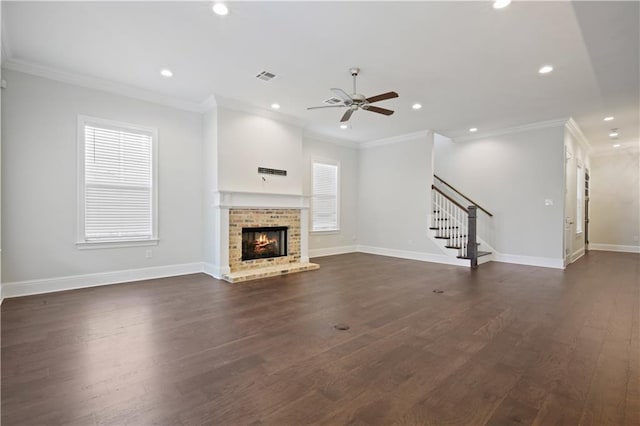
262	243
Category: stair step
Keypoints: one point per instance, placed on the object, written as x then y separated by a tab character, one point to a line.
480	254
458	247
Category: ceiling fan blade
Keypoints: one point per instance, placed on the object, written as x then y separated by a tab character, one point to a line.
382	97
327	106
346	116
343	95
378	110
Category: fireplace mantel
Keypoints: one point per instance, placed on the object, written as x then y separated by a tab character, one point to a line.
225	201
259	200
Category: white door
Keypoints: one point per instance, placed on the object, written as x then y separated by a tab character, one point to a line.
568	202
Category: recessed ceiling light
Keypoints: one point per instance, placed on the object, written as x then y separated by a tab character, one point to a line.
616	145
344	126
545	69
499	4
610	118
614	133
166	73
416	106
275	106
220	9
473	129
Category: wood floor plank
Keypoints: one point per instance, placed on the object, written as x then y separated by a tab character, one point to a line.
504	344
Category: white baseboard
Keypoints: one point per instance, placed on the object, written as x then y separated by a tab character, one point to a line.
577	255
211	270
614	247
414	255
331	251
26	288
546	262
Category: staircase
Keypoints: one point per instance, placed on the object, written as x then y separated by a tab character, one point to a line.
459	230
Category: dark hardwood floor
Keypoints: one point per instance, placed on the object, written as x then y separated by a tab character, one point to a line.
505	344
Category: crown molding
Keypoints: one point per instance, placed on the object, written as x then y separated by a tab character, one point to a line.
237	105
100	84
4	46
329	139
209	103
516	129
395	139
576	132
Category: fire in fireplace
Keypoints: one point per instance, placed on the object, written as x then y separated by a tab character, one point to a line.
262	243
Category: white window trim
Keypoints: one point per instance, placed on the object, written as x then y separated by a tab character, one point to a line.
81	242
338	192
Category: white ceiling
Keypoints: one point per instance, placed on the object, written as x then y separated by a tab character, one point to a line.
468	64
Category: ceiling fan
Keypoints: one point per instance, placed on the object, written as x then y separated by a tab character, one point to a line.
357	101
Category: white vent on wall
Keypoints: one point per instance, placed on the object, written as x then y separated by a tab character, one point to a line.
265	76
333	101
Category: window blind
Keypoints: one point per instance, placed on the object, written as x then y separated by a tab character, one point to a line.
118	184
324	201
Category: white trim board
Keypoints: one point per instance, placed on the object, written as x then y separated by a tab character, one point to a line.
414	255
614	247
577	254
332	251
545	262
48	285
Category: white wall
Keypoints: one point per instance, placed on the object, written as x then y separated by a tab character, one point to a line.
394	195
39	180
247	141
324	243
511	175
210	185
615	200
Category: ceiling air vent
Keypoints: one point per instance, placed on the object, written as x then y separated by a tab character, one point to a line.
333	101
265	76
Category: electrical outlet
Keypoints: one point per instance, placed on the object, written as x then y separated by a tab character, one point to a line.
148	254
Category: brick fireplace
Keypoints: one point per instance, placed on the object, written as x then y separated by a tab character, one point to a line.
260	211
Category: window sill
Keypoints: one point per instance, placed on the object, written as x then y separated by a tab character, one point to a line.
86	245
328	232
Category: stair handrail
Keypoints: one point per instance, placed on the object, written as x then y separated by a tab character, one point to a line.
448	198
461	194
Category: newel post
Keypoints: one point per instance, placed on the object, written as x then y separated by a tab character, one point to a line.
472	246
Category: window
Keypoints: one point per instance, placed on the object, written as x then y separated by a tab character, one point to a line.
324	200
579	200
117	184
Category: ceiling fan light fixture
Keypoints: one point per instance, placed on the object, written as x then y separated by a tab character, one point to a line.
344	126
416	106
357	101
